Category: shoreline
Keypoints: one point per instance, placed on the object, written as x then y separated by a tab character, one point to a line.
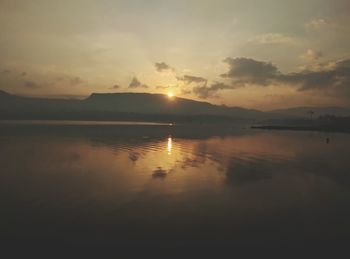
305	128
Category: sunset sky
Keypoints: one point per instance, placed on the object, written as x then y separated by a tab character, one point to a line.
255	54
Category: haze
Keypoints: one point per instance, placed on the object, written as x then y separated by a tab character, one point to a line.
255	54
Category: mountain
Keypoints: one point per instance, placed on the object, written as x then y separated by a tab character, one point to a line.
120	106
304	112
6	96
161	104
144	106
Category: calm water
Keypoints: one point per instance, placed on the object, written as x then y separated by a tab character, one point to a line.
159	186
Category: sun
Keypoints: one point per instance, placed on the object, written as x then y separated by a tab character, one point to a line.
170	94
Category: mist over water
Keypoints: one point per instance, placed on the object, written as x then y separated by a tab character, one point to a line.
170	186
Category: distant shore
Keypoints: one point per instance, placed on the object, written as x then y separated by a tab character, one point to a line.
305	128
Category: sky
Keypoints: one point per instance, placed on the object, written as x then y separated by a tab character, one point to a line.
256	54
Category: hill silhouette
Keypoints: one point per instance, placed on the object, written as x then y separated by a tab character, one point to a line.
120	106
143	107
161	104
303	112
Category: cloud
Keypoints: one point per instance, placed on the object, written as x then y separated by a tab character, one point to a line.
332	78
163	67
273	38
115	87
71	80
135	83
161	87
311	55
186	91
76	81
31	84
19	78
249	71
246	71
205	92
316	24
193	79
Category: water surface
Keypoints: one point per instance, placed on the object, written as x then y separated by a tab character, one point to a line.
141	186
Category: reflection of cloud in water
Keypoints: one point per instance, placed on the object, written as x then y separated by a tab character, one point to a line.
192	162
134	156
159	173
198	156
274	185
244	173
331	163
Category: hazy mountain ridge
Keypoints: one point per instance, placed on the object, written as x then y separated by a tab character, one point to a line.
4	95
161	104
141	106
304	111
110	106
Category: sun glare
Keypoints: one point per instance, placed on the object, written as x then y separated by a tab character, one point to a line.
170	94
170	145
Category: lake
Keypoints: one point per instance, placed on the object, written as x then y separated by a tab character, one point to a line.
148	187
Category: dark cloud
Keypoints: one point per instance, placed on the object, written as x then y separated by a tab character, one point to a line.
332	78
205	91
249	71
31	84
162	67
6	71
71	80
308	80
193	79
115	87
135	83
242	71
23	73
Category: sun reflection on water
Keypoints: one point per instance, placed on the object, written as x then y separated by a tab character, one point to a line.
170	145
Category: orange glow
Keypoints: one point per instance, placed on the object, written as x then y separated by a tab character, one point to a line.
170	145
170	94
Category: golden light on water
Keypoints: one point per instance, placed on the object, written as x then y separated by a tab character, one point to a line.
170	145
